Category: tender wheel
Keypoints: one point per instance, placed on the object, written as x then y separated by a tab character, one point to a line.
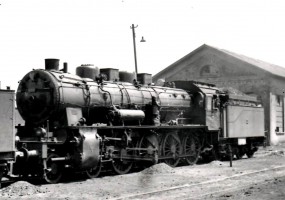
250	150
53	173
217	154
94	172
149	142
249	153
192	148
121	166
171	146
239	153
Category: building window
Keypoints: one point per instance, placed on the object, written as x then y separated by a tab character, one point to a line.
279	100
279	113
209	71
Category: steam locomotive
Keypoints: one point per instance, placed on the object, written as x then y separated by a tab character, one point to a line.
88	121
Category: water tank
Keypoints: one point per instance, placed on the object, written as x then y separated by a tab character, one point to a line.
87	71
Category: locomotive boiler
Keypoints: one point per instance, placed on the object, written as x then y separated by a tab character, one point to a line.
88	121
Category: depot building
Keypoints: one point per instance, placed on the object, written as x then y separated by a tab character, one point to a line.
227	69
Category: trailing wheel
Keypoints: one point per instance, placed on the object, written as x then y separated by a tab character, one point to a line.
94	172
53	172
122	166
191	148
171	147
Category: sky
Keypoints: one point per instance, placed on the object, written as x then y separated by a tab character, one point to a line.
98	32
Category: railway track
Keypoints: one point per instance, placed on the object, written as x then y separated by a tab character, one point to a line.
212	187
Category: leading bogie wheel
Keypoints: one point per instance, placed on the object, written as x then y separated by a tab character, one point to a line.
191	148
53	173
171	147
94	172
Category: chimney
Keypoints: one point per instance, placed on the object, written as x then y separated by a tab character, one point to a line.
51	64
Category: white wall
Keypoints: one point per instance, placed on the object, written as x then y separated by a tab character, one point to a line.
274	138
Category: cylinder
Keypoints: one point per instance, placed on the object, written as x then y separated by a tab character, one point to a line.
51	64
24	154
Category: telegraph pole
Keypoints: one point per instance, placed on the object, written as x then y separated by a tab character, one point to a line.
135	51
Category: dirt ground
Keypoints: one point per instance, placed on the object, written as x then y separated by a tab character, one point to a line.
247	179
270	189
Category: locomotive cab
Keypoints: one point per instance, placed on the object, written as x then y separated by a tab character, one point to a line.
205	107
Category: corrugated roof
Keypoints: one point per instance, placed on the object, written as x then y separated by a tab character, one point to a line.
268	67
